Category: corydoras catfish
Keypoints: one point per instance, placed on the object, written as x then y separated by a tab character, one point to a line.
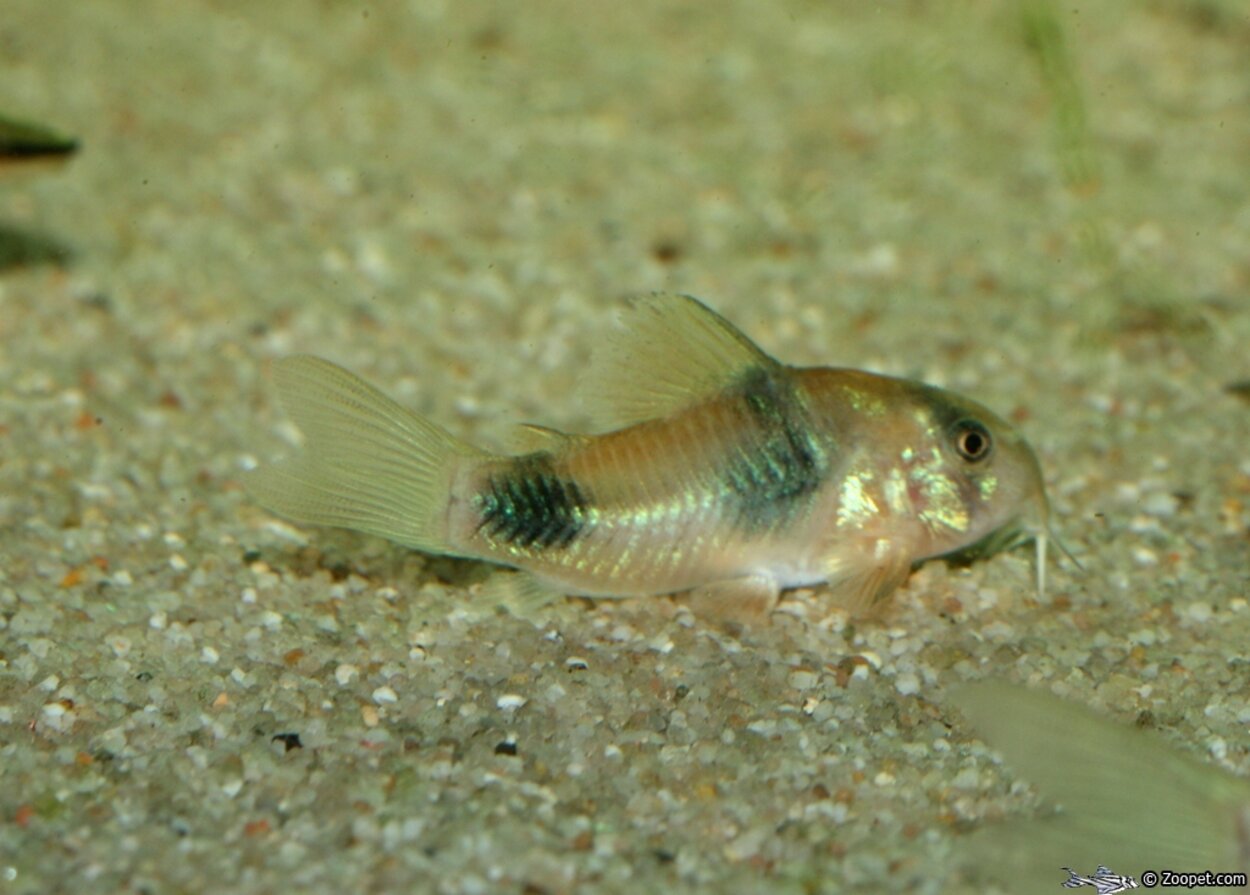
717	470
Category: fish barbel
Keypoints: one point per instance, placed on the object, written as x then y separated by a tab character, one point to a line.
720	471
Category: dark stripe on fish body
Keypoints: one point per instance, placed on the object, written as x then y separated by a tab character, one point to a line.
530	505
783	464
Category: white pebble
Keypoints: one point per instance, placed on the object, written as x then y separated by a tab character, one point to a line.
1161	504
871	658
907	684
271	620
662	645
510	702
384	694
803	679
1199	611
1145	557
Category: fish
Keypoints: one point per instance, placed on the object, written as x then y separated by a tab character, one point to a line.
25	144
1125	798
1103	881
713	470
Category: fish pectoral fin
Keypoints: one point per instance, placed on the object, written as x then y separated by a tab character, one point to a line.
860	591
670	352
519	593
745	601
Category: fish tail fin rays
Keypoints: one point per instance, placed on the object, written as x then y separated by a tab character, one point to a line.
670	351
368	464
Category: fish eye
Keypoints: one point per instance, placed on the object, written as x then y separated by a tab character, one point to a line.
972	440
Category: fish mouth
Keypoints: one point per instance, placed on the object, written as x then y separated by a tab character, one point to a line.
1006	537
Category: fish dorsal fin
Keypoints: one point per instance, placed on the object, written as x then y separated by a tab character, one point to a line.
671	351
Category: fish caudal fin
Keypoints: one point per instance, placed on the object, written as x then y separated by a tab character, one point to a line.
368	464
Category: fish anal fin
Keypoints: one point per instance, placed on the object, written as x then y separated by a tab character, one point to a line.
670	352
519	593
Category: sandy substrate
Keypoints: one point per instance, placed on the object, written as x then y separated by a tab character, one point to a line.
1046	210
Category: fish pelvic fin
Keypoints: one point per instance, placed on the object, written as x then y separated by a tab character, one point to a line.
863	591
671	351
368	464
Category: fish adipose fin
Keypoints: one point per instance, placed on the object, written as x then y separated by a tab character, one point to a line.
368	464
527	437
671	351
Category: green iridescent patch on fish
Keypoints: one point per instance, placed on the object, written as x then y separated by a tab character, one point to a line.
856	505
869	405
528	505
779	462
943	506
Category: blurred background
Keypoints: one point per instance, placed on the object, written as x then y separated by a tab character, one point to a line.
1041	204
